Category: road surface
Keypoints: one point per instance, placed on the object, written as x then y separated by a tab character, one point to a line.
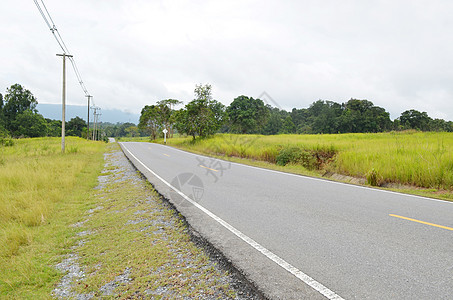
298	237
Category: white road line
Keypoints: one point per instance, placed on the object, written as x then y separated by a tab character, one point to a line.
275	258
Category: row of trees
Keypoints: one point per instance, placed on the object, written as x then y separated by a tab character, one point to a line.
205	116
20	118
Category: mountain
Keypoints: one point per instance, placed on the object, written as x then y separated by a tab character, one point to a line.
53	111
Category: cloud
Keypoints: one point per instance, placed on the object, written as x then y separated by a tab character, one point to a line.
135	52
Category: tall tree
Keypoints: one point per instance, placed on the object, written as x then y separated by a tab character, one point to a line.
300	119
438	125
76	126
151	120
275	123
413	119
167	108
323	116
363	116
17	100
29	124
53	127
202	116
247	115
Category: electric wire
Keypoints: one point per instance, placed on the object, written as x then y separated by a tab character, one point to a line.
53	28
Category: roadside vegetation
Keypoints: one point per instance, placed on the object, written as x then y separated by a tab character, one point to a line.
41	193
132	244
86	225
409	158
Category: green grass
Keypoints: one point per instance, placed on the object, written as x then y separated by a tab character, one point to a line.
417	159
42	191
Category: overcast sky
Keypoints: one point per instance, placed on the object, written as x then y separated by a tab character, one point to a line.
397	54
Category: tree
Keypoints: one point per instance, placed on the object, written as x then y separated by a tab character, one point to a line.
167	110
324	117
363	116
300	119
75	126
151	120
288	125
247	115
275	123
132	131
413	119
438	125
203	116
17	100
53	127
30	124
121	129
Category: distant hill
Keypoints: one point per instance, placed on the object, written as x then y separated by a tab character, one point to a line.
53	111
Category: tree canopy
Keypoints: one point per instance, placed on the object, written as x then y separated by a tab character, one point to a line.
203	116
247	115
152	120
17	100
20	118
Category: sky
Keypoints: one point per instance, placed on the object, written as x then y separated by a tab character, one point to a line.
132	53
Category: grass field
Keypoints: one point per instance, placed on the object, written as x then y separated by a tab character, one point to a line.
41	192
418	159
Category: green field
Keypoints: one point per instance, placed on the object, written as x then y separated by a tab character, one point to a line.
413	159
41	192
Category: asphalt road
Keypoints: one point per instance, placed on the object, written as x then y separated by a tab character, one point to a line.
298	237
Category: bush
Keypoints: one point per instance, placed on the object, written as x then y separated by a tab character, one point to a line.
5	138
373	178
314	159
295	155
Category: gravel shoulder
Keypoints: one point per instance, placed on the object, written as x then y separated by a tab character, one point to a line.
132	244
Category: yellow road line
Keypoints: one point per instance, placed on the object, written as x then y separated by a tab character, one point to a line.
166	154
209	168
422	222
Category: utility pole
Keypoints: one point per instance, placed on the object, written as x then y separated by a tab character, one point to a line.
88	117
97	123
63	115
94	122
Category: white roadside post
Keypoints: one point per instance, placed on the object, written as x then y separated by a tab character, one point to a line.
165	135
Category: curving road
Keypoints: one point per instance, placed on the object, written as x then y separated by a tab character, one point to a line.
298	237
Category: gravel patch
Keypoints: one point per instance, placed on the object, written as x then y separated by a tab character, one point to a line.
109	288
74	274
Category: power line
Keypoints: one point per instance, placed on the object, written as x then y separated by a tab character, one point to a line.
50	23
48	19
42	14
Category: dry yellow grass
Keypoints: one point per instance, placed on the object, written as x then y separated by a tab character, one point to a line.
422	159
